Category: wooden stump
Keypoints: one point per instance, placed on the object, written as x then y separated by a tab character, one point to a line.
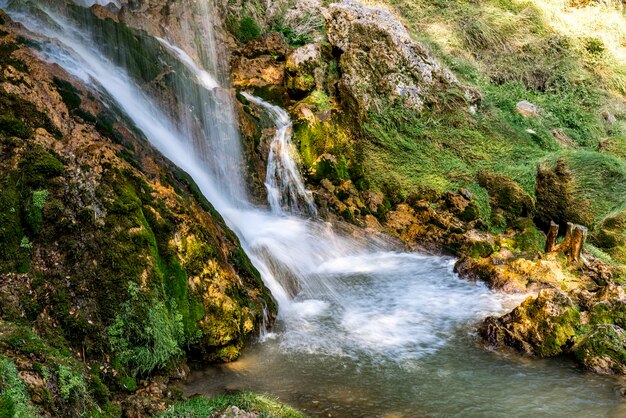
579	236
573	243
565	245
553	234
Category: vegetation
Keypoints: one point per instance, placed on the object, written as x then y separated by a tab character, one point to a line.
567	59
263	405
144	335
14	399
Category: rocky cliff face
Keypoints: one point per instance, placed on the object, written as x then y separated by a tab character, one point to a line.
113	266
381	63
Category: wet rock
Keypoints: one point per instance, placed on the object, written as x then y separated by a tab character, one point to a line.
603	350
262	71
301	70
527	109
544	326
494	275
380	61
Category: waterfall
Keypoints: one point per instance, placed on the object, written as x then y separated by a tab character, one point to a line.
285	188
318	276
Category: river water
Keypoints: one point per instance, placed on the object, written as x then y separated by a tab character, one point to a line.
362	330
401	344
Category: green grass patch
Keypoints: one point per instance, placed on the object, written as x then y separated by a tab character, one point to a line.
200	407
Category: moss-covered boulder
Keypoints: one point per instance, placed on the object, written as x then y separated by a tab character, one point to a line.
610	235
603	349
544	326
507	199
581	187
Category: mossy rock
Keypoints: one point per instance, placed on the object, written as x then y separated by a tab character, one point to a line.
544	326
506	195
603	349
610	236
581	187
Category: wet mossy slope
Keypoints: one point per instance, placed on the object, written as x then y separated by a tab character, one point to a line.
113	267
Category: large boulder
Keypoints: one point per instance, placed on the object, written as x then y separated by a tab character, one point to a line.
380	61
610	235
543	326
603	350
507	199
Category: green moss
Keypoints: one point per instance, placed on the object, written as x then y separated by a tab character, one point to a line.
561	333
603	349
69	93
527	237
19	117
203	407
479	249
7	48
247	29
38	166
13	127
609	313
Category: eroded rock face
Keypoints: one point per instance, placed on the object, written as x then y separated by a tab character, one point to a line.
380	61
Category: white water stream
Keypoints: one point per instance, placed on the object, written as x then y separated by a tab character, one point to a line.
285	188
345	303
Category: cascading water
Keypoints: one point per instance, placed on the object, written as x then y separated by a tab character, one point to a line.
285	188
362	330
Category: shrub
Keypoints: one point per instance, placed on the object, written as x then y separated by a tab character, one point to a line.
248	29
145	335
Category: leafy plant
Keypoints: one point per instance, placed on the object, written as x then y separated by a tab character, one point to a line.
14	399
145	335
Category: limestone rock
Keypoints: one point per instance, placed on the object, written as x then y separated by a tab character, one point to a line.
603	350
542	326
380	61
301	69
527	109
269	44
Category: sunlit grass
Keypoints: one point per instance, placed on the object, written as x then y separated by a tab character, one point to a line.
200	407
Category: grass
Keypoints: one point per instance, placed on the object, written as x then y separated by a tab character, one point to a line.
263	405
512	50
